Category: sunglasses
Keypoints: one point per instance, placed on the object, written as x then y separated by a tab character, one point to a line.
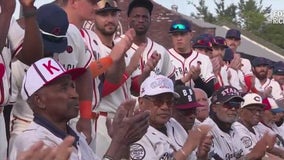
178	27
232	104
157	101
103	3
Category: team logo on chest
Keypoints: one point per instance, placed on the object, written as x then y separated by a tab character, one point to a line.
137	151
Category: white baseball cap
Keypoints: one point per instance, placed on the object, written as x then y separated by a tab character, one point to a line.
42	72
252	99
157	84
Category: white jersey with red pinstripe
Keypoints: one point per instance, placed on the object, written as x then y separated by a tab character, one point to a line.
246	67
232	77
276	92
11	48
91	40
110	102
75	56
164	66
182	64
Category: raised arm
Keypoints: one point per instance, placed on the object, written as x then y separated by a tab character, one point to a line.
7	10
32	48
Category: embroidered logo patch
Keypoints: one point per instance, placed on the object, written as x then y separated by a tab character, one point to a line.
137	151
246	141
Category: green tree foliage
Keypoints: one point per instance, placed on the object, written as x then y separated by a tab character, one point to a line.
226	14
203	12
247	14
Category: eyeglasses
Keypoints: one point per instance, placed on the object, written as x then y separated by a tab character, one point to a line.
158	101
255	110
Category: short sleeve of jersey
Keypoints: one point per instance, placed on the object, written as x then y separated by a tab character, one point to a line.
276	90
168	69
206	70
16	36
246	67
76	40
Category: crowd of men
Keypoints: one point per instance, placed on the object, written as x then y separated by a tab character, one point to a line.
79	93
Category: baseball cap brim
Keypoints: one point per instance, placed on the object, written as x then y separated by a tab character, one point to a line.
201	46
277	110
55	47
237	38
228	98
219	45
108	9
180	31
74	73
254	104
188	105
175	94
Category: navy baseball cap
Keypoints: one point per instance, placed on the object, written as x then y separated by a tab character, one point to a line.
107	5
233	33
53	24
219	41
228	55
202	42
180	25
259	61
225	94
278	68
140	3
187	99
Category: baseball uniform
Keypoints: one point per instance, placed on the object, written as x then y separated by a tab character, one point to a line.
263	129
109	103
236	77
246	67
42	130
156	145
276	92
223	147
182	65
75	56
11	48
164	66
247	138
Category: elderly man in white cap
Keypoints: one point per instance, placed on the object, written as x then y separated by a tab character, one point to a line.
252	141
50	91
163	139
